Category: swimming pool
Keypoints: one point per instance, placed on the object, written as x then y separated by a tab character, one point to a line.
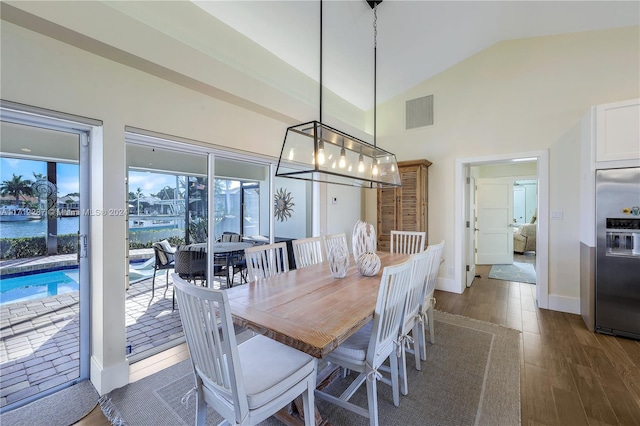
34	286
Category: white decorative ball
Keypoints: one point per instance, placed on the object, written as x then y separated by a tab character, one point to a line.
368	264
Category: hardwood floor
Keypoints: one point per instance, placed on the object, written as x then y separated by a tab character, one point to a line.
568	375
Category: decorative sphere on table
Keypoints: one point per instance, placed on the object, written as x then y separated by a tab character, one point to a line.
338	258
368	264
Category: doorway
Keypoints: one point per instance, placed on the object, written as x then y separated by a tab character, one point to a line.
462	254
45	266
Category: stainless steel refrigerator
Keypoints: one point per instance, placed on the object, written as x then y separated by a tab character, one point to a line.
617	302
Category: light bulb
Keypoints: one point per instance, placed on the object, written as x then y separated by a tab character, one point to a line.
291	154
343	159
361	164
350	167
374	171
321	158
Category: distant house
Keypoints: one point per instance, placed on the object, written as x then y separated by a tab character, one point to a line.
69	205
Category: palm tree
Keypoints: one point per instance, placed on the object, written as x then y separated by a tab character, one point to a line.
138	195
16	186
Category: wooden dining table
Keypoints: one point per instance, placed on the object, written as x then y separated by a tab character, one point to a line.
310	310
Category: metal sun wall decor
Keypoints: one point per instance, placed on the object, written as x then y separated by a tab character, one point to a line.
283	204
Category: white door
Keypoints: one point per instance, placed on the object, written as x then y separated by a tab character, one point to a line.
495	217
471	230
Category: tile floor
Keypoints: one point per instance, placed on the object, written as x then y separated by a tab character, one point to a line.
39	338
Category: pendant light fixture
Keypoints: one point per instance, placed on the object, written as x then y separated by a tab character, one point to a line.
308	147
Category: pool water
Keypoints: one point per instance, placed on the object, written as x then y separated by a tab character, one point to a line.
28	287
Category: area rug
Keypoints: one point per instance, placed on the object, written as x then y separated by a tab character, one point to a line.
59	409
471	377
519	272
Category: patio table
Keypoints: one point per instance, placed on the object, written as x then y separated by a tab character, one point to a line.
223	249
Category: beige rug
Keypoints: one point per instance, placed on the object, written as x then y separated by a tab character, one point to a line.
471	377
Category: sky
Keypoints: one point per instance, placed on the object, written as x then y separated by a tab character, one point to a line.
67	173
68	176
150	183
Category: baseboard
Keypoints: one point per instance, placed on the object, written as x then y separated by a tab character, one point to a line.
107	379
570	305
448	284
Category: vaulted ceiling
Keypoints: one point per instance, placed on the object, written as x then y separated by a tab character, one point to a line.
416	39
262	51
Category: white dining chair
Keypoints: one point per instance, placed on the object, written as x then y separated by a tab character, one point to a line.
266	260
407	242
428	301
244	383
308	251
410	320
335	239
367	349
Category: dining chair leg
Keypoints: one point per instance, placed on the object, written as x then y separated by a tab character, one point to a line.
416	344
201	406
402	359
395	388
308	398
372	400
430	317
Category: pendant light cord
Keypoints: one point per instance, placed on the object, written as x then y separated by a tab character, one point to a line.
375	62
320	61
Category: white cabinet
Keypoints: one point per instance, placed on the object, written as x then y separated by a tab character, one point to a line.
618	131
610	139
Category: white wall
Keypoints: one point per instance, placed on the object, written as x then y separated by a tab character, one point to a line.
517	96
46	73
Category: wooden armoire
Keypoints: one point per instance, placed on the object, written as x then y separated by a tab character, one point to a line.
404	208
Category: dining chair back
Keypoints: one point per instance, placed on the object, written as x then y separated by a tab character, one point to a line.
334	239
407	242
367	349
244	383
308	251
410	317
266	260
164	256
428	301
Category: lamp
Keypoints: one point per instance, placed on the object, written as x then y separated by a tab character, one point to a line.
307	146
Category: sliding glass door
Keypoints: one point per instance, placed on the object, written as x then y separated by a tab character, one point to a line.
44	252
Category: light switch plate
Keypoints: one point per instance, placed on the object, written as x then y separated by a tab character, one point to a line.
556	214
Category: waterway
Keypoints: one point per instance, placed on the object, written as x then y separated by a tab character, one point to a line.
37	228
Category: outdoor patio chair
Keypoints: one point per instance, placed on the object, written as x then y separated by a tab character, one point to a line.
367	349
230	237
429	302
408	242
164	260
266	260
191	265
244	383
308	251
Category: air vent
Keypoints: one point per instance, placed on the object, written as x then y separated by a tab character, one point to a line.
419	112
